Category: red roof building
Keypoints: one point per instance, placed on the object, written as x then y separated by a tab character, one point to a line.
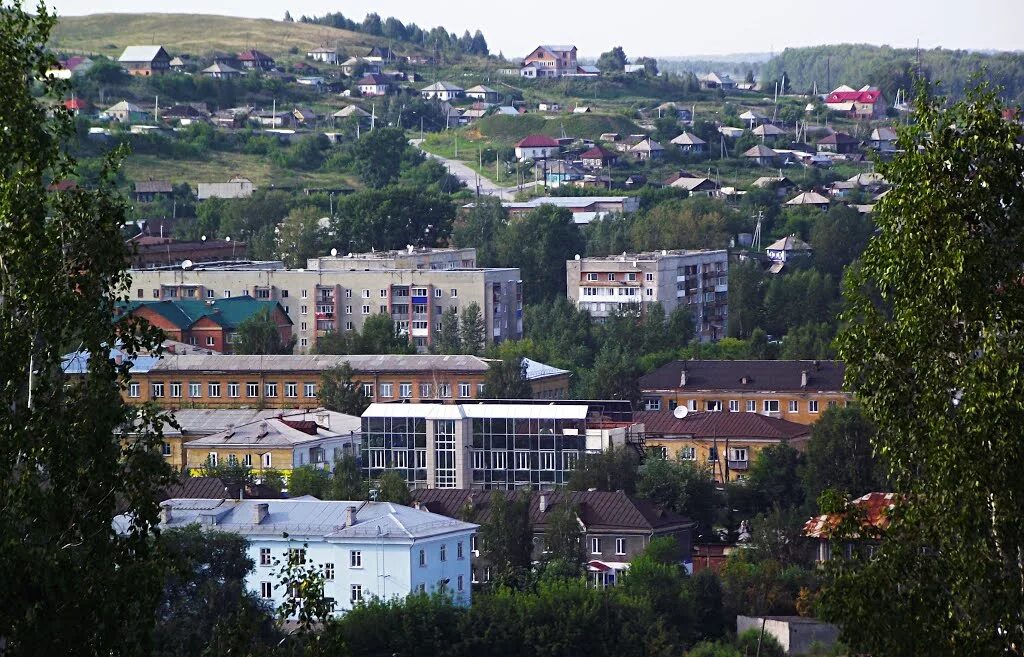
866	102
254	59
537	147
874	510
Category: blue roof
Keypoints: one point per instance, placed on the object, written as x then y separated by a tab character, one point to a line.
78	362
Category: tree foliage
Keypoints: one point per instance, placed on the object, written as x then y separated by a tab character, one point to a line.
934	351
259	334
339	392
539	244
508	540
839	455
506	379
610	470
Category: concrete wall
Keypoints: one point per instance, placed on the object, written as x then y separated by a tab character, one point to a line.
795	633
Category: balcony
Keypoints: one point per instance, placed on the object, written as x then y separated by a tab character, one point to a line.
739	465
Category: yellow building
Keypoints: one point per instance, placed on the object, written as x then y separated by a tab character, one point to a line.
278	443
725	442
795	390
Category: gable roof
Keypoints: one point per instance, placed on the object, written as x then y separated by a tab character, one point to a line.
768	130
688	139
859	96
770	181
351	110
481	89
252	55
789	243
874	506
721	424
374	79
647	145
275	432
442	86
142	54
837	138
537	141
183	111
218	67
229	312
808	198
883	133
124	106
694	184
728	375
760	151
598	153
596	509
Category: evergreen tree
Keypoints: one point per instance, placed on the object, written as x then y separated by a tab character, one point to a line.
508	539
506	379
340	393
472	332
391	487
563	540
347	481
448	340
259	334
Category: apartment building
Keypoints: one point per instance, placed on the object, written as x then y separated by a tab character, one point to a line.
366	550
340	293
500	446
696	280
726	442
796	390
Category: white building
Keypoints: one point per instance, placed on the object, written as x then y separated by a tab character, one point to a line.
696	280
442	91
366	549
323	54
237	187
487	446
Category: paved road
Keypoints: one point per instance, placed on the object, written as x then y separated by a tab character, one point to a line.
470	177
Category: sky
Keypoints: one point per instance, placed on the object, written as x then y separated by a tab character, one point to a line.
656	27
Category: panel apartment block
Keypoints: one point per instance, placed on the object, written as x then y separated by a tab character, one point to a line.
696	280
339	294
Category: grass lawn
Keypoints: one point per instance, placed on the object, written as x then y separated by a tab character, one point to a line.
219	167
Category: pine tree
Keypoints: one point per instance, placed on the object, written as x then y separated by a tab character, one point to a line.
448	340
473	330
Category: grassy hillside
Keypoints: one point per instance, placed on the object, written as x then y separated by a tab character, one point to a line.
513	128
108	34
218	167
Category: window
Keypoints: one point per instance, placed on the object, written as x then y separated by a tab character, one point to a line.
232	390
812	406
349	326
303	342
547	460
591	277
329	571
133	389
832	403
348	294
195	390
499	460
304	310
291	390
385	390
264	556
419	291
771	406
210	341
794	406
631	276
175	390
425	391
383	310
692	404
611	276
247	460
266	590
713	405
309	389
156	294
211	458
460	582
166	449
366	294
595	545
270	389
473	546
453	293
649	276
355	559
213	389
738	454
688	453
141	293
297	556
252	390
751	406
458	551
522	460
464	390
444	390
438	292
479	459
368	390
284	294
649	292
423	558
569	459
227	294
267	460
444	552
304	294
405	390
262	293
357	593
383	294
366	310
620	546
348	310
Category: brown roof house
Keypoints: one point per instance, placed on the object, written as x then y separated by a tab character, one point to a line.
690	143
762	155
647	149
148	191
860	526
614	527
838	142
811	198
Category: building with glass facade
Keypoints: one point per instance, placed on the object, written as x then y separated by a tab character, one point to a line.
486	446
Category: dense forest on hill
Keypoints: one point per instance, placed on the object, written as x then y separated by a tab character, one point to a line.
437	39
892	68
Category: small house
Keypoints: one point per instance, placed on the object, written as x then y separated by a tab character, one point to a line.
690	143
696	186
145	60
323	54
787	249
715	81
648	149
442	91
374	84
839	143
220	71
883	140
782	185
768	132
148	191
812	199
236	187
124	112
537	147
255	60
762	155
598	158
483	94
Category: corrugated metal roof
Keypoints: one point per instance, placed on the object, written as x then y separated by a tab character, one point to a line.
720	424
536	370
875	508
460	411
597	509
78	362
270	432
207	421
141	53
311	518
319	363
760	375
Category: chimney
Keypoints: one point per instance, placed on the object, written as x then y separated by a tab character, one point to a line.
682	378
350	516
260	512
118	359
803	379
324	420
543	503
416	505
165	514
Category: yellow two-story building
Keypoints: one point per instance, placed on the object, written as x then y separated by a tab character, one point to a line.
795	390
726	443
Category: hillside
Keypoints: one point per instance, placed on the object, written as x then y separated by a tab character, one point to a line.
108	34
510	129
891	68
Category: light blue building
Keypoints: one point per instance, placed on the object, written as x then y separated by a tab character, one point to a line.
366	549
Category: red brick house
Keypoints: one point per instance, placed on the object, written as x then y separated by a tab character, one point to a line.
210	324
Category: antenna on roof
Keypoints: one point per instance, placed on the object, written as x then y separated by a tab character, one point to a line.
680	412
186	264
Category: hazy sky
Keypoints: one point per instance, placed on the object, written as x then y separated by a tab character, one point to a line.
656	27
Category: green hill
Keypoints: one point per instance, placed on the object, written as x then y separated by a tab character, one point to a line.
591	126
108	34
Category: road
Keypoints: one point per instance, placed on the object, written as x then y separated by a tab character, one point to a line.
470	177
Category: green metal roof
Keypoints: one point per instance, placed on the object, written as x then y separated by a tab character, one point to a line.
229	312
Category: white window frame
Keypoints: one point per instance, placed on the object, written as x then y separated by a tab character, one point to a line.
355	559
134	389
620	546
793	406
595	545
751	406
266	590
265	559
356	593
734	406
812	406
768	403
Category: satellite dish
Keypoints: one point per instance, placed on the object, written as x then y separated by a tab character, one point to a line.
334	252
186	264
577	256
680	412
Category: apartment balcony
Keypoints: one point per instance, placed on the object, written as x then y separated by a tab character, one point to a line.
739	465
420	332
